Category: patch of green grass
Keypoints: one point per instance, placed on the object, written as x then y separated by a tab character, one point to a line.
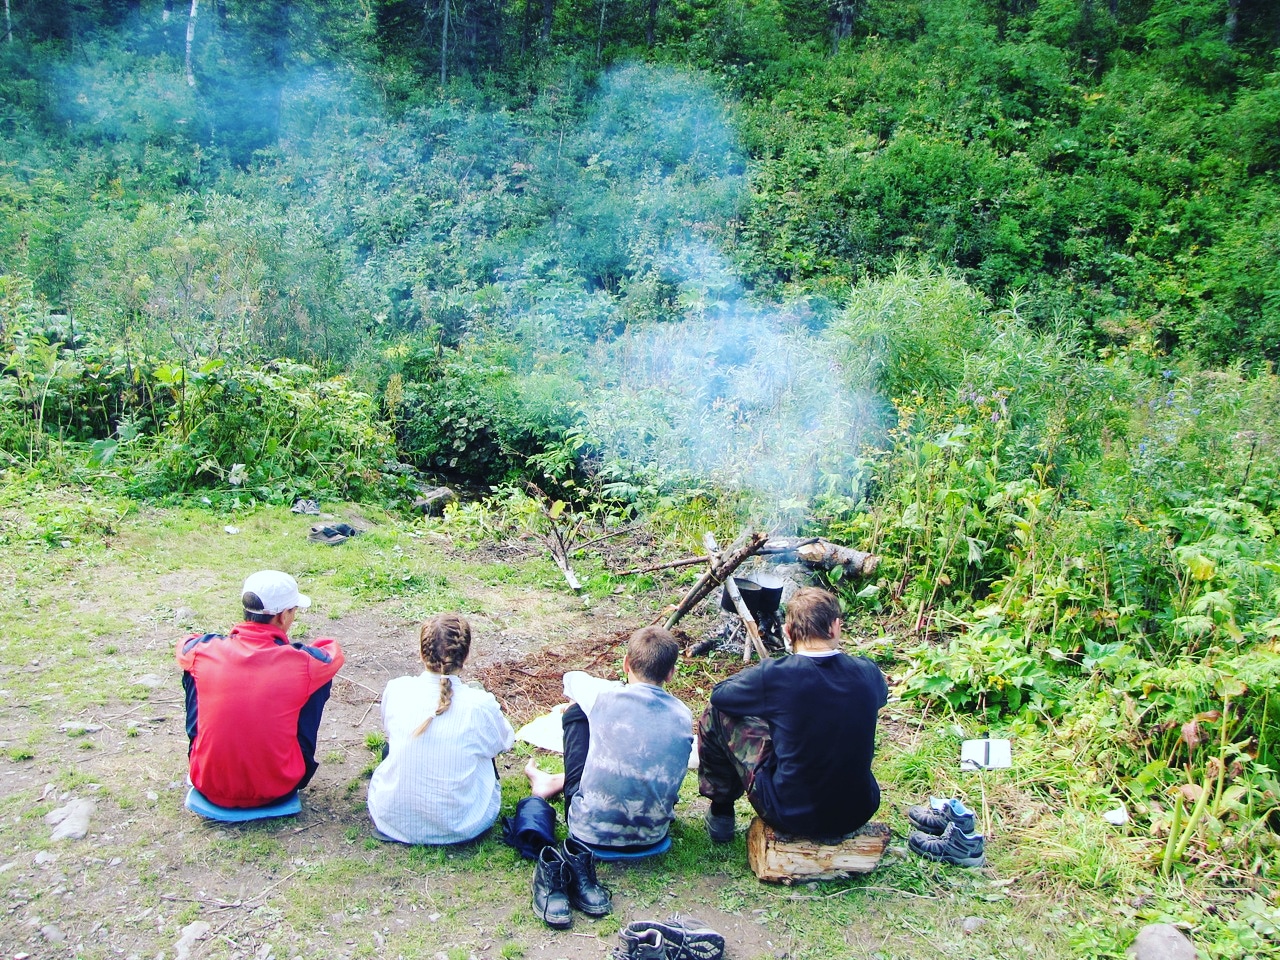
254	842
498	573
925	765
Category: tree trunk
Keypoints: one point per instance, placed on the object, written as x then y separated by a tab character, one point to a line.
651	27
444	42
844	13
604	5
191	40
1233	21
8	23
548	17
280	60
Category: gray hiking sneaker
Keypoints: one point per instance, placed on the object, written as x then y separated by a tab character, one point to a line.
643	945
935	817
954	846
686	938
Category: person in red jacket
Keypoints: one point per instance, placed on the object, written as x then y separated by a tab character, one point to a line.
254	699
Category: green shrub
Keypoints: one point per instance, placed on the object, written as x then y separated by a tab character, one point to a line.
272	433
476	418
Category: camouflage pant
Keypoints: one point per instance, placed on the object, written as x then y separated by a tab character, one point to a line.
731	752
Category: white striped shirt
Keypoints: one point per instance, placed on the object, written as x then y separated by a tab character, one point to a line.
439	787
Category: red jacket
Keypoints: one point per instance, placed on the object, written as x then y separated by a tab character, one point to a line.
242	715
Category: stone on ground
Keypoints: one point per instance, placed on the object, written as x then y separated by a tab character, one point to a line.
1162	941
72	820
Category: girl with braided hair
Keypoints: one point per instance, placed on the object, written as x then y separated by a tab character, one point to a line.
438	782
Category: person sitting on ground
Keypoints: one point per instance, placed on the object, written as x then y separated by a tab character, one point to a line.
795	734
254	699
438	783
624	763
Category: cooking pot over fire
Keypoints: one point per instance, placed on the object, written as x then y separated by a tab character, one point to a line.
761	592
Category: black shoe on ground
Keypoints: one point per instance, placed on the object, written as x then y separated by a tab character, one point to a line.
934	817
954	846
585	892
645	945
327	535
551	889
687	938
720	827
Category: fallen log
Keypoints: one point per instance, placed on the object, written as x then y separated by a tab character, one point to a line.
730	561
822	554
779	858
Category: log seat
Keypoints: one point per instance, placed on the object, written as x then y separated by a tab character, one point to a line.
779	858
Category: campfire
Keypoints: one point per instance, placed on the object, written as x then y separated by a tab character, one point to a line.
755	597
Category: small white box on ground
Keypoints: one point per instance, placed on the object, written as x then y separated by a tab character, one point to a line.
985	755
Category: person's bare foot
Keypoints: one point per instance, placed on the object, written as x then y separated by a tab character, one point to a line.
543	784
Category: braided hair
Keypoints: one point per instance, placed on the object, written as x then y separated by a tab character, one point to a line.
444	642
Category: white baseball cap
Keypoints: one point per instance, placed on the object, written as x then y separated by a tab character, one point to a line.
277	591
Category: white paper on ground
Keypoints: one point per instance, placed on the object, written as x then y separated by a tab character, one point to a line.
1119	816
545	731
985	755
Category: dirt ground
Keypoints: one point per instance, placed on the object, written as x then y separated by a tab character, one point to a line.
148	874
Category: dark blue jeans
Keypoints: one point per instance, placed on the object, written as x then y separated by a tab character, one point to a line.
309	730
577	740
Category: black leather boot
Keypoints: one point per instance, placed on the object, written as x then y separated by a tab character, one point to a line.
550	889
585	893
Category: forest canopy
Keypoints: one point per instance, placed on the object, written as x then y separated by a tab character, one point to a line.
1114	164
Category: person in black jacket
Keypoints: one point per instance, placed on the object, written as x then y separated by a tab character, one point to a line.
795	734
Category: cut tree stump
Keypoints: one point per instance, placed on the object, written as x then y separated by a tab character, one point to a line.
779	858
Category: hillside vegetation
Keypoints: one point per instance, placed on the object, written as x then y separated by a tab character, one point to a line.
988	287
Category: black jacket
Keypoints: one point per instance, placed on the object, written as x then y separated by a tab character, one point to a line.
821	713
